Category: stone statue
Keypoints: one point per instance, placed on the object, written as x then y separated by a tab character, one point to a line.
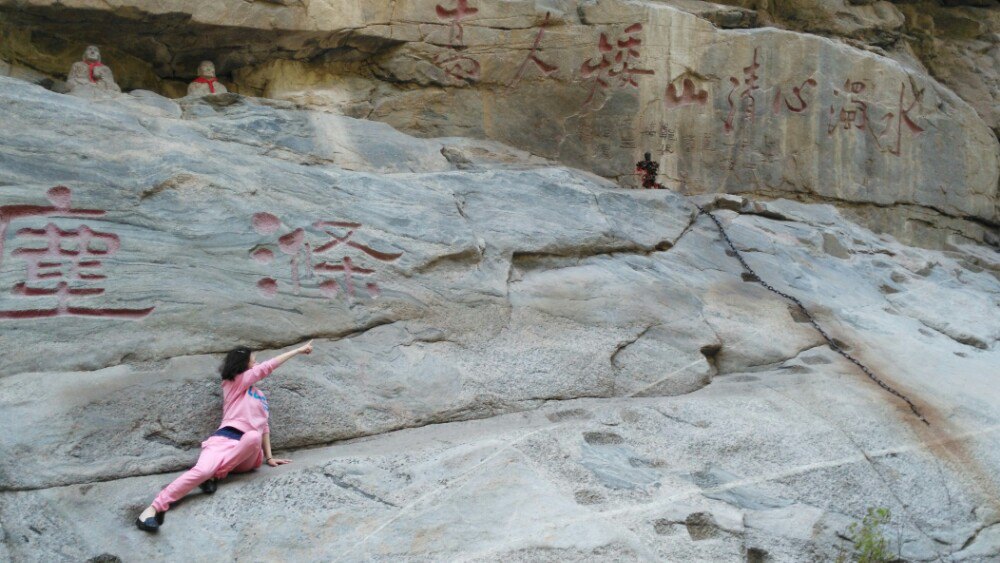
206	83
90	76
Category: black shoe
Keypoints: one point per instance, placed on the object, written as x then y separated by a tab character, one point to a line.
160	517
210	486
148	525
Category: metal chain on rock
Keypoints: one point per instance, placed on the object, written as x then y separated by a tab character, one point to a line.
812	320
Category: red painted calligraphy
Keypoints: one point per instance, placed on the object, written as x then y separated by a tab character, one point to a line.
547	69
307	262
458	66
746	96
67	261
856	113
330	287
615	67
689	95
901	119
453	62
456	15
796	105
853	113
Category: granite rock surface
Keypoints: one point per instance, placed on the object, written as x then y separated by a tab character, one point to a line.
515	360
888	110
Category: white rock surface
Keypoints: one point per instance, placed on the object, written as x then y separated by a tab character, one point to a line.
839	110
551	369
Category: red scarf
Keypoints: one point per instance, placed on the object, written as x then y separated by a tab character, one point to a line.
90	67
210	81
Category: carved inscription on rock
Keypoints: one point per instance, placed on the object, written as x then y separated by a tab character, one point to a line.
318	258
616	64
62	267
534	58
454	62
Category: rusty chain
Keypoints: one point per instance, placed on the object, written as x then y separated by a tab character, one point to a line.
812	320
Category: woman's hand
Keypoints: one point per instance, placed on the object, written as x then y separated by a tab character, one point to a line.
275	462
306	348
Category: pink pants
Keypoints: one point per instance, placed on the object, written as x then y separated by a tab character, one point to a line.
219	457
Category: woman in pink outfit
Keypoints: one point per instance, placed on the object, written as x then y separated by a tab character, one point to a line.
242	442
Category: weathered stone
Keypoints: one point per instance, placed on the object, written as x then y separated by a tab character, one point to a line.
983	545
726	17
955	41
809	118
532	363
876	22
961	48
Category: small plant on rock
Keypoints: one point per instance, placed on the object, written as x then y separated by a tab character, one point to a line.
870	545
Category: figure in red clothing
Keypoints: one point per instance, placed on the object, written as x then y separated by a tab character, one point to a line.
243	441
648	170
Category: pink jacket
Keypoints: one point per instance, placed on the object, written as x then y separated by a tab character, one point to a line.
243	405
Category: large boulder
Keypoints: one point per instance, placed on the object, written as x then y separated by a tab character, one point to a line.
451	286
595	84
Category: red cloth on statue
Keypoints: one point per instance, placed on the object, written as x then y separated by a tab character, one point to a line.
210	81
91	65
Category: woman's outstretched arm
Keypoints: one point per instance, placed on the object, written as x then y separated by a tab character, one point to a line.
306	348
260	371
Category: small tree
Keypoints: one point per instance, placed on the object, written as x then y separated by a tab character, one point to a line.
870	545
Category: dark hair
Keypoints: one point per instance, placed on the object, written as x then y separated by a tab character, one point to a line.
237	361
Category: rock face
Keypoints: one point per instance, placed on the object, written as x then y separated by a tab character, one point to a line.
956	42
533	363
594	84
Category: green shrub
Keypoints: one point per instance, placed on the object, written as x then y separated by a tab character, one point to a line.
870	545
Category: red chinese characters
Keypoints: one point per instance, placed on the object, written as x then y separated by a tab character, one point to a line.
333	276
746	96
616	65
546	69
853	112
454	62
60	264
456	15
458	66
895	122
856	113
743	95
689	94
797	104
